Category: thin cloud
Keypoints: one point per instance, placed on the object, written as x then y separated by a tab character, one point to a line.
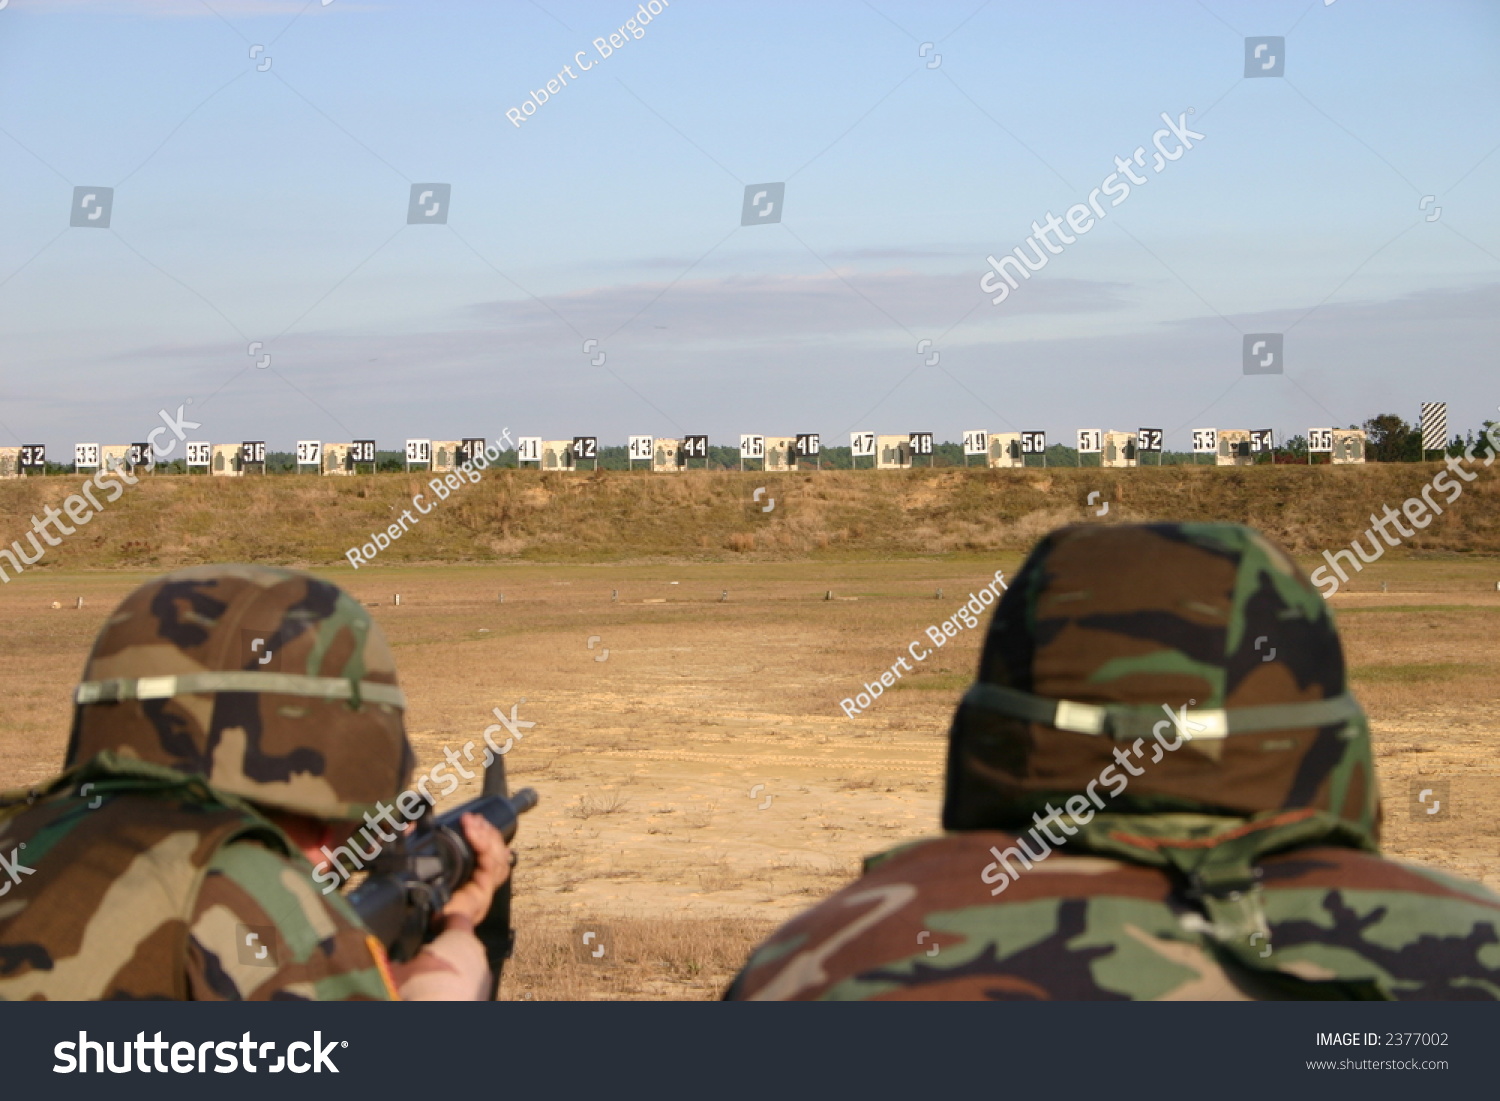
773	308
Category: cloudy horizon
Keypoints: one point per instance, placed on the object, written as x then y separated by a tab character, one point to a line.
1344	204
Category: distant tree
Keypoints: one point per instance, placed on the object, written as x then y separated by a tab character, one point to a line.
1480	442
721	457
839	458
1392	440
944	454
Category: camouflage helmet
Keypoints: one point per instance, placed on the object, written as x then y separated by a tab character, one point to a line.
271	684
1104	629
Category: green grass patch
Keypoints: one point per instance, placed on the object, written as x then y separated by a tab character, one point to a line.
936	682
1413	674
1472	609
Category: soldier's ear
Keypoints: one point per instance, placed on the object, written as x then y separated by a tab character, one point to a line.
309	834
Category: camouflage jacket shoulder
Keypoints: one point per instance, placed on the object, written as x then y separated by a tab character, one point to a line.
921	925
129	880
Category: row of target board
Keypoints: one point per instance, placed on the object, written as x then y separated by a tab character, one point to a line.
235	458
1230	446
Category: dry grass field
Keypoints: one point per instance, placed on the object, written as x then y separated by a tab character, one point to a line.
699	781
701	515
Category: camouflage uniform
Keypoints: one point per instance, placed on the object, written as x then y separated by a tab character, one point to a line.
147	870
1099	849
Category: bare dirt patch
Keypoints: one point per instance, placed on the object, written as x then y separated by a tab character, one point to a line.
699	780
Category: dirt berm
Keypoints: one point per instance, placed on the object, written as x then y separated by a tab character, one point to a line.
306	520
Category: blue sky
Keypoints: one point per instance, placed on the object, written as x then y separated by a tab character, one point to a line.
270	205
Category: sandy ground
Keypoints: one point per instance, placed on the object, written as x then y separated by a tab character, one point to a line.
699	780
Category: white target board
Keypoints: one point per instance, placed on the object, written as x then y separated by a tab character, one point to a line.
309	452
1090	441
1005	450
199	452
1033	443
1320	441
752	447
1205	441
976	442
862	445
85	455
1349	445
529	449
640	448
419	451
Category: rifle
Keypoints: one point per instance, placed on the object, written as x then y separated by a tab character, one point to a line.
411	881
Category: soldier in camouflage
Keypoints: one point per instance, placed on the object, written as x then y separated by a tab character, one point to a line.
1139	805
232	720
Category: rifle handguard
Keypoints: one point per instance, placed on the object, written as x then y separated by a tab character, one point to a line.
410	882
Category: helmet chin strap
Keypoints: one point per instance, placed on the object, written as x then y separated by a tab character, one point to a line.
1126	722
278	684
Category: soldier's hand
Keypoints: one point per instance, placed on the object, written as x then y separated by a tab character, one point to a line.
492	869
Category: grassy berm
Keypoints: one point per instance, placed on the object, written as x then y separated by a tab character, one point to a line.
617	516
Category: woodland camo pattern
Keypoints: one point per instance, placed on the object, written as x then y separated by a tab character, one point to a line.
149	869
1244	867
